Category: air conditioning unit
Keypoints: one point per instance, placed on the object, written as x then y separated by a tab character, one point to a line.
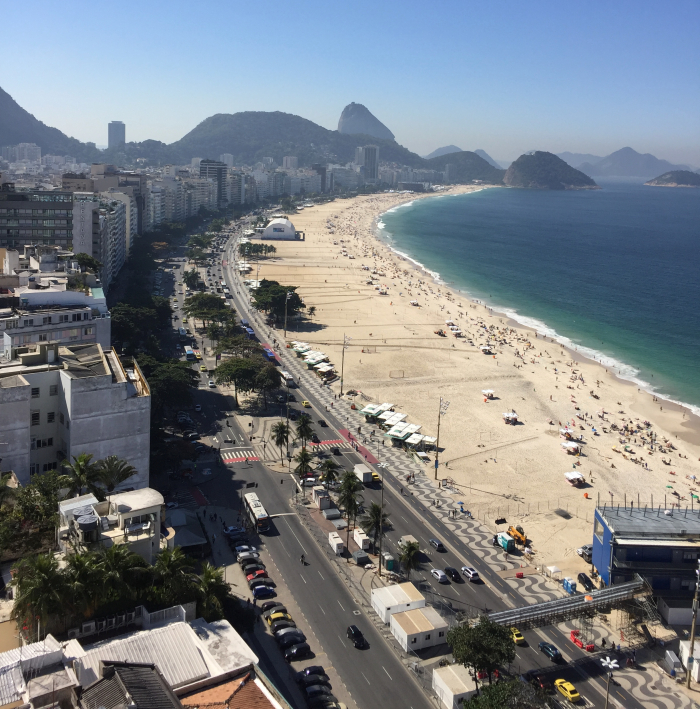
121	620
88	628
131	616
101	625
111	623
73	633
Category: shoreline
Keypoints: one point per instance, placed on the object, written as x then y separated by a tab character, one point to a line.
523	321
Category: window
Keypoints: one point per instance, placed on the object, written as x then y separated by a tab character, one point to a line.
690	555
50	417
49	466
88	331
44	442
61	418
53	390
62	318
427	637
441	634
43	338
26	339
35	392
34	468
36	418
47	320
29	322
413	640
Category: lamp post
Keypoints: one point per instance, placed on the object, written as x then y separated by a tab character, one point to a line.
346	339
381	525
443	410
609	665
286	300
690	660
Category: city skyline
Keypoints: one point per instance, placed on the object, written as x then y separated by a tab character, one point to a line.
586	79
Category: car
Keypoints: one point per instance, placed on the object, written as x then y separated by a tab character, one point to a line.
253	568
175	306
437	544
281	399
192	436
212	383
247	556
586	552
355	634
471	573
278	615
306	404
551	651
297	652
233	529
325	701
322	423
243	548
172	505
236	538
293	416
518	637
263	592
286	632
567	689
585	581
202	367
289	640
255	582
315	438
257	574
536	678
310	482
317	690
453	573
310	670
200	448
335	451
281	625
376	478
440	575
308	680
198	407
277	607
268	605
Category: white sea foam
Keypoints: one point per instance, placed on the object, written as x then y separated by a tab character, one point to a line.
381	225
434	274
399	206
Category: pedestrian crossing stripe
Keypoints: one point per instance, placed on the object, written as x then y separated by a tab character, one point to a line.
327	444
239	456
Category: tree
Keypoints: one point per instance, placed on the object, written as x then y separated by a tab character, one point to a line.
374	521
40	592
204	306
211	592
410	557
330	471
83	578
268	379
270	297
303	429
280	437
508	694
81	474
174	578
190	278
483	647
196	255
239	371
113	471
312	311
349	498
123	572
303	460
238	346
87	262
171	381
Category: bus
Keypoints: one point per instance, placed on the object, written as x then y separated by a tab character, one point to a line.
287	379
256	512
189	353
269	355
182	332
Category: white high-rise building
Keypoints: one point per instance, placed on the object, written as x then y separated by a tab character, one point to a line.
290	162
227	159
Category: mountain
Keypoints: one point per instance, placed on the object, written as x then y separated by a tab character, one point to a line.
443	151
629	163
676	178
483	154
577	159
356	119
466	167
545	171
20	126
252	135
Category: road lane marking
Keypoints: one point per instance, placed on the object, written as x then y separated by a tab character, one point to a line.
302	578
321	575
324	612
366	680
387	674
340	604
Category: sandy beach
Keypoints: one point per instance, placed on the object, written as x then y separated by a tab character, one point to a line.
516	471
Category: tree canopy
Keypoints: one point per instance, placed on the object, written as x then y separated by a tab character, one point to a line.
87	262
206	307
270	297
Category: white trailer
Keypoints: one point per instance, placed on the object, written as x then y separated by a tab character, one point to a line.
336	543
361	539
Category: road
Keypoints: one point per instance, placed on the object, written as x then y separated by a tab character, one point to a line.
327	603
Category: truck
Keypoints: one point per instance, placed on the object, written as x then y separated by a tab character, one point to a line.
505	541
518	533
407	539
363	473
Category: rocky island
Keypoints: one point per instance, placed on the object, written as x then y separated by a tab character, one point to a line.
545	171
676	178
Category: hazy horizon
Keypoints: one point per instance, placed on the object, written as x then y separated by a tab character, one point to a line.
503	78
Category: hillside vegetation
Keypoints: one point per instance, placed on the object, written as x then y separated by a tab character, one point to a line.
676	178
545	171
467	167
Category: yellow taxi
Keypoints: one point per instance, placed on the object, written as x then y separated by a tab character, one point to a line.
198	355
568	690
306	404
518	637
375	477
278	616
202	367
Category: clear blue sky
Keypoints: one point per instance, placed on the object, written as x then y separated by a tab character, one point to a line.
504	76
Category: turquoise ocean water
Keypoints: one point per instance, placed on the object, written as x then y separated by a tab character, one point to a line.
614	273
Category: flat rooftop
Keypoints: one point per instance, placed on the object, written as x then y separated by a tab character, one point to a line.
419	620
646	522
398	594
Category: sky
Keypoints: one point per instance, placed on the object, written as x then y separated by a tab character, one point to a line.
506	76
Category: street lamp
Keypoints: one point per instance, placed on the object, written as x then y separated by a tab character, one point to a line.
443	410
381	525
609	665
286	300
264	442
346	340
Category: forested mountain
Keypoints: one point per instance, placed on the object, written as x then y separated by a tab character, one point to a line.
466	167
446	150
545	171
577	159
676	178
629	163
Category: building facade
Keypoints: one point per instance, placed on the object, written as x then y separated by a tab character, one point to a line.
217	171
116	135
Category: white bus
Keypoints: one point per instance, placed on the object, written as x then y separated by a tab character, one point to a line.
256	512
183	333
287	379
189	353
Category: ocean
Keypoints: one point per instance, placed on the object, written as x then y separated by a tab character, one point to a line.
613	273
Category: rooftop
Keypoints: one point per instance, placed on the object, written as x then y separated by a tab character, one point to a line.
419	620
643	522
456	678
398	594
245	692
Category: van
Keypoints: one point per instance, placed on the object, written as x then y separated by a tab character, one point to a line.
406	539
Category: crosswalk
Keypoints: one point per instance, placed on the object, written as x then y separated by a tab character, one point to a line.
184	500
327	445
239	456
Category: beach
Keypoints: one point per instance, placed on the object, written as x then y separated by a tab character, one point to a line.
560	397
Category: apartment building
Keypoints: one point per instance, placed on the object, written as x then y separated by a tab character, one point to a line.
217	171
58	401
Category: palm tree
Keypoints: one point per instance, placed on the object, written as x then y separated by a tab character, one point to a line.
303	429
330	471
41	591
374	522
409	557
303	460
280	437
212	591
84	583
349	499
175	581
113	471
123	572
81	474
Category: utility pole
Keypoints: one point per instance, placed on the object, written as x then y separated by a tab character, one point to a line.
443	410
346	339
286	300
381	524
609	665
689	661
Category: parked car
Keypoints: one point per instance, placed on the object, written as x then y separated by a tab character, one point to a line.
283	632
243	548
551	651
270	604
278	615
264	592
471	573
281	625
297	652
586	552
197	407
310	670
440	575
309	679
437	544
230	530
257	574
276	607
585	581
247	557
453	573
252	568
355	634
293	639
255	582
317	690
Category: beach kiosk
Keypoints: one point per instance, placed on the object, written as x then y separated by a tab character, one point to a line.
488	394
571	447
567	432
510	417
575	479
486	349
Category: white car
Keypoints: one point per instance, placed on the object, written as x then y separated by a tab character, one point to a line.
244	548
471	573
212	383
175	306
309	482
440	575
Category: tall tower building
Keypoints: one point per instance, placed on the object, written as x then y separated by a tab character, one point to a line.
217	171
370	159
290	162
116	135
